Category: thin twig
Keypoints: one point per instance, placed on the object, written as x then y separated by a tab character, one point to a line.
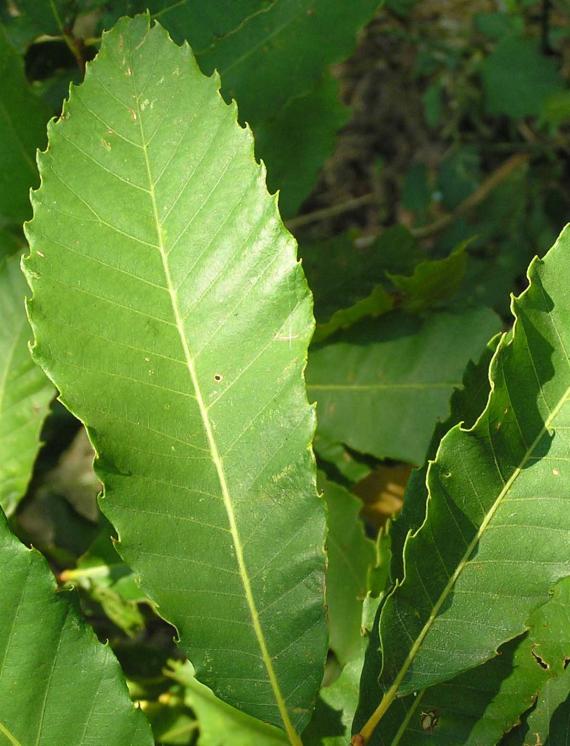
74	45
474	199
331	212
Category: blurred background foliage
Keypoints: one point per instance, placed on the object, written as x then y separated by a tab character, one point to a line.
421	153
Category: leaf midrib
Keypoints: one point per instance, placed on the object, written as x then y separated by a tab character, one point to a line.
392	692
214	451
9	735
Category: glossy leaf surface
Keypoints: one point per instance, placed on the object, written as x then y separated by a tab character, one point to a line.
500	484
171	312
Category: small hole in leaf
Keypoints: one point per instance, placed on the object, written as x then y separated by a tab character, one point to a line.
540	662
218	377
566	662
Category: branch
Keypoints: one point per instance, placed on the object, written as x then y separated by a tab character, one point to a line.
475	199
331	212
478	196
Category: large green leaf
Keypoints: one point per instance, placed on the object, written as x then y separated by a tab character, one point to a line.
58	684
25	392
22	129
479	706
460	711
171	312
273	62
381	389
202	24
497	518
266	51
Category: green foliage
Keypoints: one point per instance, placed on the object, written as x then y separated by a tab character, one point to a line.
220	723
351	557
25	392
485	480
518	80
480	706
306	126
269	62
50	658
349	284
433	282
381	370
193	356
420	177
272	57
466	405
22	129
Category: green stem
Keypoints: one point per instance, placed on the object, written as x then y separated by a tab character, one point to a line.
73	44
98	571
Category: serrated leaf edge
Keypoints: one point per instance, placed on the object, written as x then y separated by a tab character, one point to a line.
505	341
29	274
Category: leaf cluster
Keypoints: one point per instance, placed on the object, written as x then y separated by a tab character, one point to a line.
283	414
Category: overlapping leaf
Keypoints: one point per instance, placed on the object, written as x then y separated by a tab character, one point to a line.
273	59
349	283
381	389
335	708
219	723
352	283
171	312
466	405
58	684
295	143
549	644
22	129
274	63
480	706
25	392
433	282
501	486
351	555
284	50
